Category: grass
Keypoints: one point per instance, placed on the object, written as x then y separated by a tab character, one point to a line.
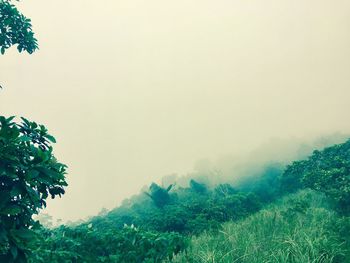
297	229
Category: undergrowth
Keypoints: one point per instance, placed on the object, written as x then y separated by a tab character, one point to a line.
299	228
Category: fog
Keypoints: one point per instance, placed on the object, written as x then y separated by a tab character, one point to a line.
136	90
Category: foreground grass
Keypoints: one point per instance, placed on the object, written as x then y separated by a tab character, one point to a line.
298	229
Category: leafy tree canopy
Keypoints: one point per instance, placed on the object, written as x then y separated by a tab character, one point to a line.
198	187
29	173
159	195
327	171
15	29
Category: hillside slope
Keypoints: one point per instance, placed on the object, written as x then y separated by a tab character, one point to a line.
299	228
295	214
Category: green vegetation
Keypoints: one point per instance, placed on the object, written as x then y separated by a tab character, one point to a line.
15	29
298	228
301	227
29	173
327	171
87	244
270	216
257	220
157	232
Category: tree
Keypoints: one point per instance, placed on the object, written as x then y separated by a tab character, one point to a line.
15	29
29	173
327	171
291	179
224	190
198	187
159	195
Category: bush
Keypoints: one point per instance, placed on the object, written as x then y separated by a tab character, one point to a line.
29	173
286	232
85	244
327	171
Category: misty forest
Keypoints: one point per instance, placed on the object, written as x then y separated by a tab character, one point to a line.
291	210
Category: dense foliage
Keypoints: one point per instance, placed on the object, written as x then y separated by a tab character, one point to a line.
86	244
187	210
159	195
160	228
29	173
157	224
327	171
15	29
299	228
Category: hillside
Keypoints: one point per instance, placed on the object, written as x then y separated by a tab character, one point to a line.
298	228
264	218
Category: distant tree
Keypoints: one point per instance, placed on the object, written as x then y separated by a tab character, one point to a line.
198	187
291	180
15	29
29	173
224	190
327	171
159	195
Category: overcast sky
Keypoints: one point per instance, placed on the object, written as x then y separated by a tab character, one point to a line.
134	90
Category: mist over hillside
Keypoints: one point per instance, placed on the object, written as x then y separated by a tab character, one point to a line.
233	168
301	207
239	169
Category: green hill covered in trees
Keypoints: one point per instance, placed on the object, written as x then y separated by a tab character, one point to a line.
297	213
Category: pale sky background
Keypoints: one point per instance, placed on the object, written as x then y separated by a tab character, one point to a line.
134	90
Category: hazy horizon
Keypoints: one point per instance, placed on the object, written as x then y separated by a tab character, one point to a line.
136	90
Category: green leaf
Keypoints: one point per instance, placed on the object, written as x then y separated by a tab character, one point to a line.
25	138
50	138
11	210
25	121
9	119
14	251
23	233
4	198
32	174
50	173
3	235
16	190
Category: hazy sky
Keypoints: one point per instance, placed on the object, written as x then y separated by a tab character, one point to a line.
134	90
